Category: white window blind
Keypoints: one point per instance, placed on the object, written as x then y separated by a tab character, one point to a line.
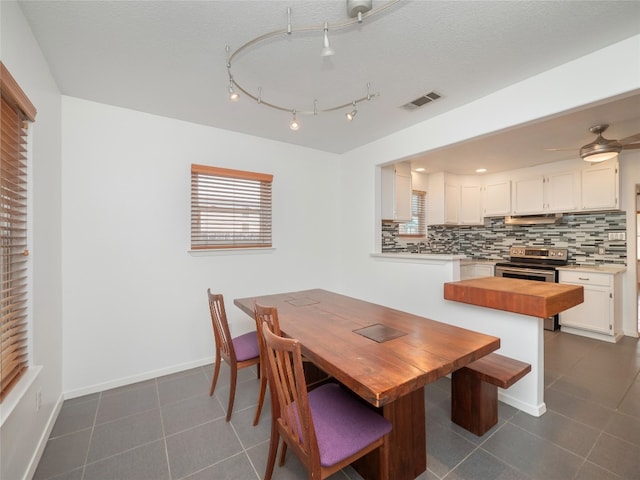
230	208
417	227
16	111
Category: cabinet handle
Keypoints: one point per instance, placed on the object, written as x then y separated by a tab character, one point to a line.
583	278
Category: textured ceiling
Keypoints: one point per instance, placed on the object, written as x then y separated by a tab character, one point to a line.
168	58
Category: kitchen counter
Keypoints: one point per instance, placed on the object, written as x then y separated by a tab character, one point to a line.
513	310
610	268
527	297
420	256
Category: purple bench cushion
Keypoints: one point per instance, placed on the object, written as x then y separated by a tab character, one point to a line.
343	425
246	346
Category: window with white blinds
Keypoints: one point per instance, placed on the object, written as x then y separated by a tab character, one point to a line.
229	208
417	227
16	112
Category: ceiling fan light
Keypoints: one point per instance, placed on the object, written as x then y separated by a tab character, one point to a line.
599	157
600	150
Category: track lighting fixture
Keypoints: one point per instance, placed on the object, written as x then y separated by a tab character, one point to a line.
350	115
360	9
327	51
294	125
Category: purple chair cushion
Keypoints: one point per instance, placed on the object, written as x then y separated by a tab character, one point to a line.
343	425
246	346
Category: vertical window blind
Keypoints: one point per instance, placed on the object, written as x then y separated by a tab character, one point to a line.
417	227
230	208
16	111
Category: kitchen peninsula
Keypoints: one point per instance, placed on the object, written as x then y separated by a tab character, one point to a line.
524	303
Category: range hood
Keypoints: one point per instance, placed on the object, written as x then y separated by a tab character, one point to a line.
552	219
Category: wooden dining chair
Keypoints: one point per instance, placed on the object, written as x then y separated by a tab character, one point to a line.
314	375
269	315
239	352
327	428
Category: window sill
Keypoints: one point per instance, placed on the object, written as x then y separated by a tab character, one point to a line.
17	394
231	251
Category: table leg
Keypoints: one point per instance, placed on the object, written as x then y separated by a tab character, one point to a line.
407	441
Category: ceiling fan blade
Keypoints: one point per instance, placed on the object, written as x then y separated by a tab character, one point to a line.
631	139
631	146
560	149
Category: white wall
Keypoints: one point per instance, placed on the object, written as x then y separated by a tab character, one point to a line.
25	430
134	298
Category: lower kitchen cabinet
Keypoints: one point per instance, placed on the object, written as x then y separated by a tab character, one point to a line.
476	270
600	316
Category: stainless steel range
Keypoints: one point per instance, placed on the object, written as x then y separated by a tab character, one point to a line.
534	263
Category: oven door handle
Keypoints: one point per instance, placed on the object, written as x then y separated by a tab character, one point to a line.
540	273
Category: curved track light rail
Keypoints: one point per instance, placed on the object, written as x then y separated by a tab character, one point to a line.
289	30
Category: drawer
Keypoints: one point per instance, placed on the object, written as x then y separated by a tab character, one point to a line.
586	278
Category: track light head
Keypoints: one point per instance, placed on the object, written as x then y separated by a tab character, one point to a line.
351	115
327	51
233	95
294	125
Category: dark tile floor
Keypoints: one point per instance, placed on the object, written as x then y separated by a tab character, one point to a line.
169	428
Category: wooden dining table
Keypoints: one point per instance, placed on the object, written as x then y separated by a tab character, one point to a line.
384	355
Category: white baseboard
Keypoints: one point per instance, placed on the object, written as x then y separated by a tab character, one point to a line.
534	410
120	382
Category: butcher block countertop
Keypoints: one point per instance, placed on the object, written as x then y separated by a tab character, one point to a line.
528	297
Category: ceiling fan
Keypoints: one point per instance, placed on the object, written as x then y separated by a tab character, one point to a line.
602	149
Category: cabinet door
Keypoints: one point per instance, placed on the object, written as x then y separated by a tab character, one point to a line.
451	203
497	198
528	195
594	314
403	197
396	193
483	271
470	205
562	192
600	186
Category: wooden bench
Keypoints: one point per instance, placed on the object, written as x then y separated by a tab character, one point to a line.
474	390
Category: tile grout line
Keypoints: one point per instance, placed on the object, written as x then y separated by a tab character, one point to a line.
93	426
164	433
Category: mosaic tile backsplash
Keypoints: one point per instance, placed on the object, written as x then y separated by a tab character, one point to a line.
582	234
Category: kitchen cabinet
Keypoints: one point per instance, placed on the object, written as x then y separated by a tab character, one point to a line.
600	315
396	192
562	191
476	270
528	195
600	186
549	193
497	197
443	199
453	200
470	205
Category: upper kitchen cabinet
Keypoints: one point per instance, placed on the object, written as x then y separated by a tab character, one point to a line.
453	200
471	211
528	195
443	193
497	196
600	186
548	193
562	191
396	192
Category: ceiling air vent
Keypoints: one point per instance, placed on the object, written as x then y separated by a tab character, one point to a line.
422	100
